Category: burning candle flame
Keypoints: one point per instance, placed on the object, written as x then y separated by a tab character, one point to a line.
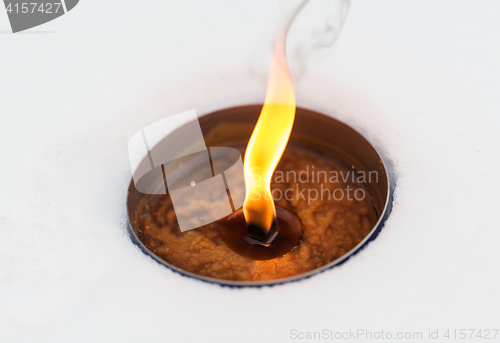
273	129
268	141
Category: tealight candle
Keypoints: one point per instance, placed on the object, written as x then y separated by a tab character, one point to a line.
330	179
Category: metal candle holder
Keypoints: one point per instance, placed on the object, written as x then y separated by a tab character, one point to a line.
309	127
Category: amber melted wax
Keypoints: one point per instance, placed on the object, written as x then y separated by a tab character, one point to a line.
331	227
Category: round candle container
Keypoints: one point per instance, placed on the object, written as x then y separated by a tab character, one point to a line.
330	177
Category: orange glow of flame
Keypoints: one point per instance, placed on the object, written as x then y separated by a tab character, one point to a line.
268	141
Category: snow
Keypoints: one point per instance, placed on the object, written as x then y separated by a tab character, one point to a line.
419	78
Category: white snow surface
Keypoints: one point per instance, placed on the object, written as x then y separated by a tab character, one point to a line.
421	79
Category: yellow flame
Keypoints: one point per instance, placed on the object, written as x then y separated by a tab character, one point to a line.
268	141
